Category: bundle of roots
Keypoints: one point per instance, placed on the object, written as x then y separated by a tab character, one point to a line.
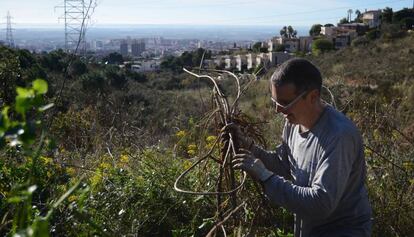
227	182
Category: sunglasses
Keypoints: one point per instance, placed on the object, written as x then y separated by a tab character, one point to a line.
289	105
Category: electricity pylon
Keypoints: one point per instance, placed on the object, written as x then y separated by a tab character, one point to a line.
9	32
76	18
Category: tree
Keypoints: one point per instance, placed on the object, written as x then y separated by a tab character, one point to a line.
350	15
113	58
10	75
329	25
407	23
358	17
321	45
284	32
288	32
280	48
400	15
256	47
78	68
291	32
315	30
386	15
343	21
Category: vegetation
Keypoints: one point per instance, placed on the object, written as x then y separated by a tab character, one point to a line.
288	32
321	46
100	157
315	30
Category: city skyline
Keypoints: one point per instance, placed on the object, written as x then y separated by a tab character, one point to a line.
203	12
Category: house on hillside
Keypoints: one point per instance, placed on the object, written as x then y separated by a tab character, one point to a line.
241	62
342	35
305	43
251	61
291	45
350	28
341	41
372	18
229	62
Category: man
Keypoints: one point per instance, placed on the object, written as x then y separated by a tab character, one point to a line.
318	171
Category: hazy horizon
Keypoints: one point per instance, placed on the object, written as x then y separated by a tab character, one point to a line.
202	32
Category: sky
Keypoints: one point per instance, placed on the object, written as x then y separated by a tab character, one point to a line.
196	12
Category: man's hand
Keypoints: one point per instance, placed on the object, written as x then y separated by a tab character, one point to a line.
239	138
253	166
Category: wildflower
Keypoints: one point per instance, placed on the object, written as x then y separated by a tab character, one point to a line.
191	152
46	160
192	147
211	139
367	152
124	159
187	164
105	166
70	171
72	198
180	134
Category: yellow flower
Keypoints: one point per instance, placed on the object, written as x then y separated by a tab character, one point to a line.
187	164
124	159
408	165
105	165
96	179
367	152
46	160
191	152
395	134
181	134
72	198
192	147
70	171
211	139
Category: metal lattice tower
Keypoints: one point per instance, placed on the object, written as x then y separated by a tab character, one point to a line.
9	32
75	17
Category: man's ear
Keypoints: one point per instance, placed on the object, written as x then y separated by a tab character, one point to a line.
314	95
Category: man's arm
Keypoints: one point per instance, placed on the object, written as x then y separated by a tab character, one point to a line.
328	185
275	161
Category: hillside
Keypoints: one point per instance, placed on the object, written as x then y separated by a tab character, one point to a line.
114	142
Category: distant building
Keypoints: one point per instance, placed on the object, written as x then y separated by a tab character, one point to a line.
124	48
305	43
341	41
137	48
358	28
342	35
372	18
146	66
281	57
241	62
291	45
251	61
230	62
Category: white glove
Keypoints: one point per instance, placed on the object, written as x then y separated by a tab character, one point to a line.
252	165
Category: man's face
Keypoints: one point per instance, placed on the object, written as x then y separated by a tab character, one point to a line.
291	103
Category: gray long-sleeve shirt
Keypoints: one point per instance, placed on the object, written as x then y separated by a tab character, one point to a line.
320	177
